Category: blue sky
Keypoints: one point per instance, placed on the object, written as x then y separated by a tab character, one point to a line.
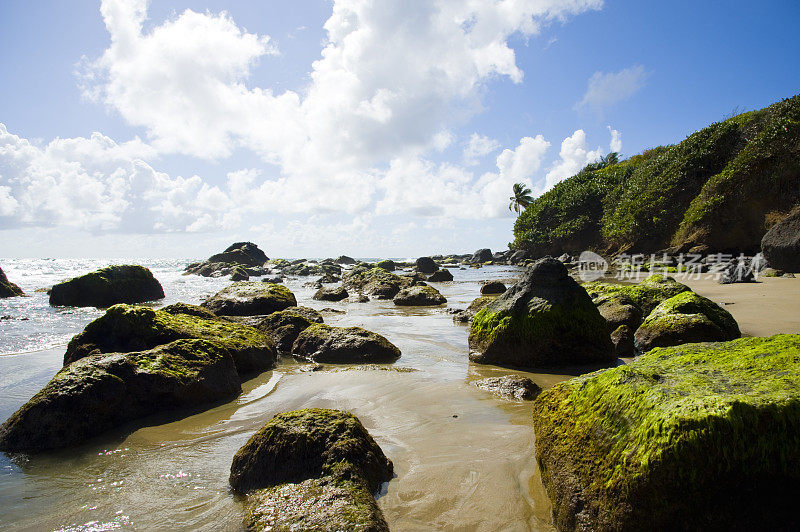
316	128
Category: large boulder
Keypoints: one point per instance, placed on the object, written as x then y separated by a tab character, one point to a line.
546	319
108	286
103	391
244	253
344	259
387	265
686	318
482	255
493	287
314	469
419	295
125	328
648	294
250	299
440	276
466	315
285	326
519	256
426	265
7	288
781	244
375	282
694	437
331	294
343	345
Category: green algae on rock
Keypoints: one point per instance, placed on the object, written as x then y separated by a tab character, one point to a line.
376	282
546	319
100	392
647	294
419	295
313	469
125	328
250	299
7	288
343	345
690	437
286	325
686	318
108	286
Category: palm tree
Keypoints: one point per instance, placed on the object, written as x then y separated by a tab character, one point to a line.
521	198
610	159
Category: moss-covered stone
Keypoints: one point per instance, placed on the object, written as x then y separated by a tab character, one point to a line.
125	328
239	273
546	319
647	294
331	294
699	436
419	296
189	310
686	318
7	288
513	387
343	345
250	299
108	286
376	282
464	316
103	391
285	326
387	265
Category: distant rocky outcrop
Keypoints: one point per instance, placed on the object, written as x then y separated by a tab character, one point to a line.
7	288
387	265
108	286
781	244
238	259
696	437
250	299
546	319
312	469
343	345
344	259
100	392
482	255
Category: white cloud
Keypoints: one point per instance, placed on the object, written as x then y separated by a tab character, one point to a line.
573	156
477	147
608	88
616	140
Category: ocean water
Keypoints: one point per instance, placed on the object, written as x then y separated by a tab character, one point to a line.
463	458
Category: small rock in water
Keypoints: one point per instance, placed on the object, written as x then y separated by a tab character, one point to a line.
510	387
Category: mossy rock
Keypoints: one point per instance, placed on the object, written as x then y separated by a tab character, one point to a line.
546	319
100	392
343	345
440	276
285	326
108	286
331	294
648	294
463	316
189	310
239	274
375	282
419	296
250	299
683	319
693	437
7	288
618	309
387	265
125	328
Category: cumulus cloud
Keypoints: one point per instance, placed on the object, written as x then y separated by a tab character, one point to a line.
608	88
616	140
478	147
573	156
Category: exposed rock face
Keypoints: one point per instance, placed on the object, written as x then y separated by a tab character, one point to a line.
376	282
519	256
245	254
515	387
617	308
482	255
387	265
239	274
546	319
419	296
103	391
344	259
331	294
343	345
623	339
478	303
7	288
440	276
493	287
686	318
250	299
124	328
312	469
647	295
781	244
108	286
700	436
426	265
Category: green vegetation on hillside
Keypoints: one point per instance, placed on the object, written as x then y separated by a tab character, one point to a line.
721	187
